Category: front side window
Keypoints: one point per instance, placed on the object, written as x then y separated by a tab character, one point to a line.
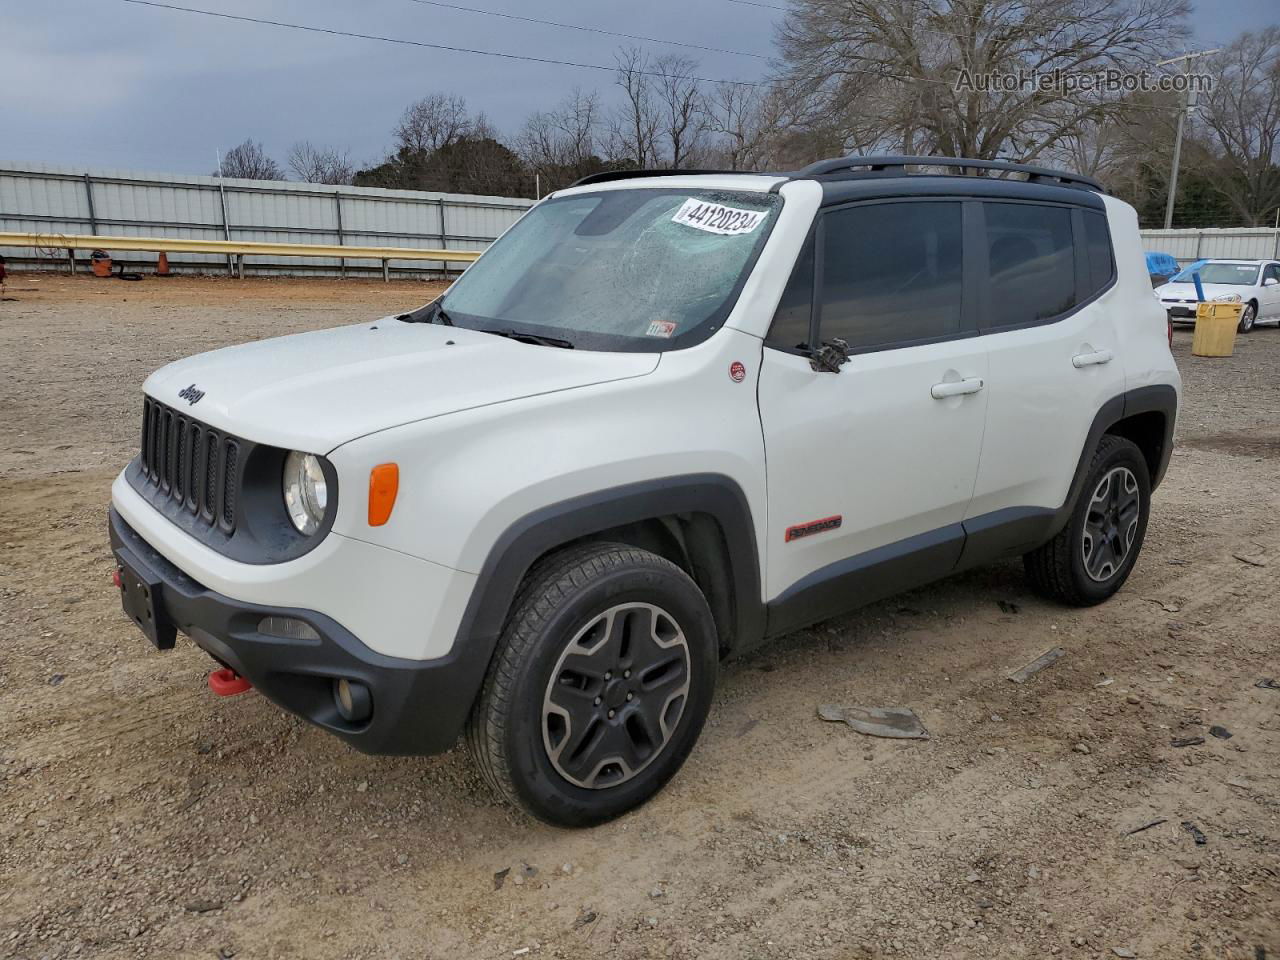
1031	263
633	269
891	273
1272	272
790	329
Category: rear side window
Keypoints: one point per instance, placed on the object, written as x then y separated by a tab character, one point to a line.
790	329
891	273
1031	262
1097	242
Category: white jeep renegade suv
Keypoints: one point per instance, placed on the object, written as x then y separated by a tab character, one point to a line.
662	419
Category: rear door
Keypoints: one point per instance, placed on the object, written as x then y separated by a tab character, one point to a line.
876	460
1049	317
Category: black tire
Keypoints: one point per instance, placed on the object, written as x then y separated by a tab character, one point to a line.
509	735
1060	569
1248	317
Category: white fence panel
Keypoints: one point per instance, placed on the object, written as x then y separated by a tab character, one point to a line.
1239	243
47	199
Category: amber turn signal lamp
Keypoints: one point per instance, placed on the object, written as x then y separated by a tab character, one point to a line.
384	483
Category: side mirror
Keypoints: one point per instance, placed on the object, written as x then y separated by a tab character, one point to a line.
830	356
1270	282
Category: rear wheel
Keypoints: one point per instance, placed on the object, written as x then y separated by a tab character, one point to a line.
600	685
1092	556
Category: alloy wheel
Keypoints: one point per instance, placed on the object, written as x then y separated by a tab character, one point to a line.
1111	523
616	695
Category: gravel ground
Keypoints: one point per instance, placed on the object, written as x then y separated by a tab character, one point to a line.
140	816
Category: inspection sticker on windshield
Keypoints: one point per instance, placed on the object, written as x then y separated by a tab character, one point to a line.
661	328
717	218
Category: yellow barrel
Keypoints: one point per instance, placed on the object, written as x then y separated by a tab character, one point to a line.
1215	334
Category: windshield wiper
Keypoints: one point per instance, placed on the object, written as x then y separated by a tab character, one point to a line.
431	313
536	338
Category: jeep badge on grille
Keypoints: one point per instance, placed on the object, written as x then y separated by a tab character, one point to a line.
191	394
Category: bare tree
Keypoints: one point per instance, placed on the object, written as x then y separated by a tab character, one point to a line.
681	110
319	164
249	161
633	127
1242	117
910	75
539	143
433	122
748	125
577	121
560	145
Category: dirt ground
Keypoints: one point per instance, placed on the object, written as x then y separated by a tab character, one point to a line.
140	816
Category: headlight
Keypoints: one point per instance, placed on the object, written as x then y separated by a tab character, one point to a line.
1227	298
306	493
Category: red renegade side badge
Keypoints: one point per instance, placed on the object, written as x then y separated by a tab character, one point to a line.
814	526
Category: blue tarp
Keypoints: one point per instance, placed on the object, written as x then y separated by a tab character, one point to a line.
1163	264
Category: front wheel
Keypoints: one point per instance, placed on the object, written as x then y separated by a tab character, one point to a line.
600	685
1247	316
1092	556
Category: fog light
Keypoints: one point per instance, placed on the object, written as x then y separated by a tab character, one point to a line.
287	628
353	700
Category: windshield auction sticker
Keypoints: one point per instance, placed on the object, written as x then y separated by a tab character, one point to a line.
717	218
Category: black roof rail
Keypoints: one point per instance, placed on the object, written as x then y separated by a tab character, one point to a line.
889	165
611	175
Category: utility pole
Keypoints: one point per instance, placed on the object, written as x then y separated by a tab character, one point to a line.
1187	106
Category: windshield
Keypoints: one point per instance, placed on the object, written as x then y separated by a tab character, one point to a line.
1235	273
643	269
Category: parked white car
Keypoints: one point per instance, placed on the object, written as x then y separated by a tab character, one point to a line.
1255	283
662	419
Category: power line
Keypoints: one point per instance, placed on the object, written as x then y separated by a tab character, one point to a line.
586	29
419	43
487	53
156	4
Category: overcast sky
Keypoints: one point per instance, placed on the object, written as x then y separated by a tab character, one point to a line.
104	83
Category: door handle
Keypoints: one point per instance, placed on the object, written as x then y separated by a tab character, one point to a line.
955	388
1089	359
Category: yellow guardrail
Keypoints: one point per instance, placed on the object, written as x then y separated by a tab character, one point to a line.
231	248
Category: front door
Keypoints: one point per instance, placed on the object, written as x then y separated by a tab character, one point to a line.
1269	295
871	468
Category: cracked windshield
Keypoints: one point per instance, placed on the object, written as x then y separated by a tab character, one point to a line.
619	269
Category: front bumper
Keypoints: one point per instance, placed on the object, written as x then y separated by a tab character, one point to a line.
419	707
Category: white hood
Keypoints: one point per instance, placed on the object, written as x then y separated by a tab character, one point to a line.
1187	291
315	391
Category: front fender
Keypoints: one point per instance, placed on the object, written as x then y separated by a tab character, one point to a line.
542	531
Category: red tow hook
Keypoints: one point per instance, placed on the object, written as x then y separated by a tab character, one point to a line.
227	683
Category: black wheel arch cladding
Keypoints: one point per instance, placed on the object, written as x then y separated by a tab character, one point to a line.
714	496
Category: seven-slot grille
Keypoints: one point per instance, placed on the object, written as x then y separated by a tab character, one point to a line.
191	463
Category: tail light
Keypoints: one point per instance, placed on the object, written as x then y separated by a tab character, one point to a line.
1169	323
